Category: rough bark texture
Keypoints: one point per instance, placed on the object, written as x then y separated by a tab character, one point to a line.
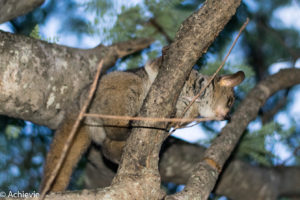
39	80
222	147
11	9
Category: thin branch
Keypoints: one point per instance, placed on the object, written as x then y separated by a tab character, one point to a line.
152	119
72	133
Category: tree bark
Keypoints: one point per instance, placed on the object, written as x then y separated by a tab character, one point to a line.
39	80
11	9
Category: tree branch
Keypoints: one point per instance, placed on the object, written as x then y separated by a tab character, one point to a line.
206	173
14	8
36	76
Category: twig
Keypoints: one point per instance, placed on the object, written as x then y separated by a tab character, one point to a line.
214	75
72	134
153	119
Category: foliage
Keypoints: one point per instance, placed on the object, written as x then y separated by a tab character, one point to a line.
22	153
12	131
258	146
35	33
129	21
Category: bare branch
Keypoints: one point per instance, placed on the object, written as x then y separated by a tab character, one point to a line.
153	119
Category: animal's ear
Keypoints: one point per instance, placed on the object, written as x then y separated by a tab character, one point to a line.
232	80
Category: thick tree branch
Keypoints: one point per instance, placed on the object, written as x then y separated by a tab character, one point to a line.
205	173
39	80
11	9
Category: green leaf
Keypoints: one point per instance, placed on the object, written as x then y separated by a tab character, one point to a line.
12	131
35	33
